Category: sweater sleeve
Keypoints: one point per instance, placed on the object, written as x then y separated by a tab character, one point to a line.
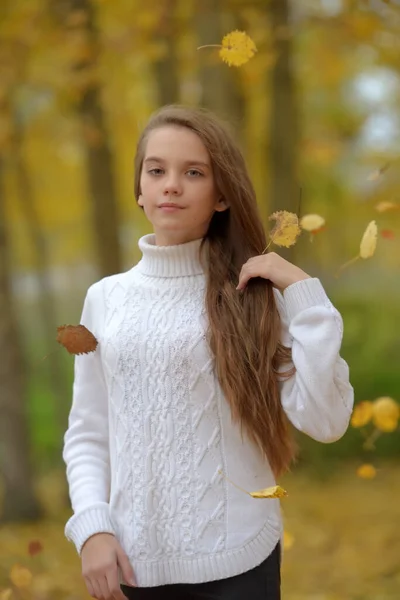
86	442
318	398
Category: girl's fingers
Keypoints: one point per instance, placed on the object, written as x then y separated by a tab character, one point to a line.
113	585
89	587
97	590
105	590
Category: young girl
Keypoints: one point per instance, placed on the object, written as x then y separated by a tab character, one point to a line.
209	350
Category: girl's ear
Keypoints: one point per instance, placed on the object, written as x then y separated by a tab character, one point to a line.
140	200
222	205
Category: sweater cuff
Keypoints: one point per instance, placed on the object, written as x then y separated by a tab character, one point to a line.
93	519
304	294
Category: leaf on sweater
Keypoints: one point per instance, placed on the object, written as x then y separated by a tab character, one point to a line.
77	339
20	576
6	594
362	414
385	414
367	245
236	48
275	491
286	229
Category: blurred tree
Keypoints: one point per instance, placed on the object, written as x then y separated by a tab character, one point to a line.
166	67
14	61
284	134
19	500
220	89
77	20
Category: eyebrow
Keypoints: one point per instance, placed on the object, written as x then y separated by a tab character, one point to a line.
186	162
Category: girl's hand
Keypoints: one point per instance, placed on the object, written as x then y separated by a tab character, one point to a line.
271	266
101	556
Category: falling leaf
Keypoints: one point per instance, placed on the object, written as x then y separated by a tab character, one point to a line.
367	245
236	49
388	234
77	339
20	576
6	594
288	540
369	239
362	414
366	471
385	206
275	491
35	547
286	229
386	414
312	222
378	173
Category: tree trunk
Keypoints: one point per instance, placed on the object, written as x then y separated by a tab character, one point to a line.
77	18
166	69
285	189
19	502
219	83
56	374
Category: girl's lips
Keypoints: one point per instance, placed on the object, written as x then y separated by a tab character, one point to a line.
167	207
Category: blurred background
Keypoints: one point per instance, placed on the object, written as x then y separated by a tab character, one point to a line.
317	113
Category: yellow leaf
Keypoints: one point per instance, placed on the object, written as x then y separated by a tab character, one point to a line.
20	576
6	594
367	245
286	230
275	491
369	240
362	414
312	222
366	471
386	414
237	48
288	540
385	206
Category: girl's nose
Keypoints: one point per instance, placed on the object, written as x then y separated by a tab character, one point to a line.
172	187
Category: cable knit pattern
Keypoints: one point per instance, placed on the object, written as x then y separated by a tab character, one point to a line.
150	430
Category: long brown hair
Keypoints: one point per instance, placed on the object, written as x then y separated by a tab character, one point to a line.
244	329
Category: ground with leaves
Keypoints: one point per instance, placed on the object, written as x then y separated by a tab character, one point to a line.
342	541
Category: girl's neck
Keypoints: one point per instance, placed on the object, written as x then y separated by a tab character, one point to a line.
175	260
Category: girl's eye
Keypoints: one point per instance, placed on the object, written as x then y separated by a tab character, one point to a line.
195	173
155	171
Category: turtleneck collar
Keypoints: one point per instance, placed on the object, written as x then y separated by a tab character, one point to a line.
169	261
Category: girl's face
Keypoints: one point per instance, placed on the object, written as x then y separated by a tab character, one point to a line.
178	192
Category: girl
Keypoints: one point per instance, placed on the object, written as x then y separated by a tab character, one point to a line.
209	350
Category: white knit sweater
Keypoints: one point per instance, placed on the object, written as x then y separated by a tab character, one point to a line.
149	428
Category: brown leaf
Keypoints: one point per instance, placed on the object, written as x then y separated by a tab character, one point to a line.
77	339
35	547
388	234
